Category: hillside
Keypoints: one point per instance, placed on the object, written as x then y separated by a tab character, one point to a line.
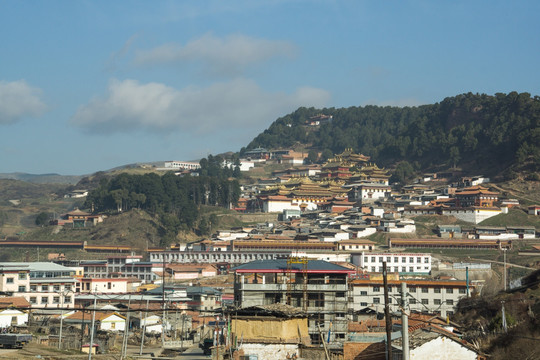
476	132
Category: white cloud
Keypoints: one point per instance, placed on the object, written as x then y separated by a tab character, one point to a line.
226	56
19	100
241	103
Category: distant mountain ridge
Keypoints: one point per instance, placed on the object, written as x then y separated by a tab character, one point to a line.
42	178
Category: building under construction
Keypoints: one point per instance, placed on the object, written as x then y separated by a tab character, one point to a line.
317	287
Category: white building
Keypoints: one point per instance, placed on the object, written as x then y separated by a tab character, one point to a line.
433	296
182	165
42	284
418	263
473	215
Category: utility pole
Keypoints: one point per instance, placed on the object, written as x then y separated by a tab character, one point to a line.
92	329
404	322
144	327
504	256
126	332
388	320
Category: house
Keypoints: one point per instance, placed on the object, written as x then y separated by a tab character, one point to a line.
12	311
318	287
269	332
534	210
475	196
105	321
189	271
101	285
434	342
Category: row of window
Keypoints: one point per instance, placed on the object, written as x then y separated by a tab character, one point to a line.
412	289
396	259
44	288
377	300
45	300
403	269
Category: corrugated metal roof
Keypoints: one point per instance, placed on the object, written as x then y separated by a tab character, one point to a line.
279	265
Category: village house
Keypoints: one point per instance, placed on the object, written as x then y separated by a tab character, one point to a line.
318	287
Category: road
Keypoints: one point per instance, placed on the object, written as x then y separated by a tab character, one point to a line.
194	353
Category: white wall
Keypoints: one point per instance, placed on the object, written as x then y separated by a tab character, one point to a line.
271	351
442	348
8	314
107	324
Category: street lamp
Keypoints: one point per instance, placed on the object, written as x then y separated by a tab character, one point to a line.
63	295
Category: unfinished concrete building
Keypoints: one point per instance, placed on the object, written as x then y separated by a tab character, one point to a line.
317	287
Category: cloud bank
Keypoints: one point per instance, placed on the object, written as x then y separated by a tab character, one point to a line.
229	55
19	100
241	103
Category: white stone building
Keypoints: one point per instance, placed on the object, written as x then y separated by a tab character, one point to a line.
419	263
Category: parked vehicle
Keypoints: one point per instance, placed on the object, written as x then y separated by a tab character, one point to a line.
14	340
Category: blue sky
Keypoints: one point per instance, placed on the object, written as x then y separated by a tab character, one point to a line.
91	85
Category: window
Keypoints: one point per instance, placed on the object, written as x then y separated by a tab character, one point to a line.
437	290
450	302
67	299
363	293
389	289
56	300
403	259
412	289
437	301
396	259
403	269
365	259
22	276
22	288
388	259
389	300
45	288
424	290
363	304
376	288
380	259
425	301
449	313
56	288
396	269
373	259
33	287
411	260
109	285
376	300
9	280
449	291
44	299
463	291
412	301
33	300
411	268
373	269
426	260
340	294
418	260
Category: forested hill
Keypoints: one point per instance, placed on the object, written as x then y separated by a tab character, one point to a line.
473	131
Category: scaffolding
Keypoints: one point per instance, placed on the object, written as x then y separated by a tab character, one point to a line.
304	262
